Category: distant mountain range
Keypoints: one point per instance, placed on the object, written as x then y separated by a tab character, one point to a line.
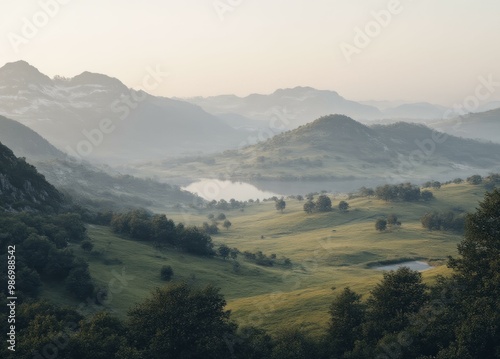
481	126
337	147
69	112
301	105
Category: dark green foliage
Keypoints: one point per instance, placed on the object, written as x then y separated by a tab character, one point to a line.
309	206
181	322
426	195
343	206
347	314
79	282
293	344
143	226
100	337
446	221
87	246
323	203
195	241
210	228
381	225
280	204
400	294
23	188
401	192
475	180
221	217
432	184
166	273
41	252
224	251
227	224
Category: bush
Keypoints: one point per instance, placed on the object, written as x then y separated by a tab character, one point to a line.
323	203
166	273
426	195
87	245
381	225
475	180
343	206
446	221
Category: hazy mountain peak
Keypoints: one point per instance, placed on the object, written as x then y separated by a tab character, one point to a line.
22	72
92	78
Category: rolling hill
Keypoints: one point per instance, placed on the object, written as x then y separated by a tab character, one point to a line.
337	147
483	126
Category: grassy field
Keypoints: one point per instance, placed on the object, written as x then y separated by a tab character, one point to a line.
328	250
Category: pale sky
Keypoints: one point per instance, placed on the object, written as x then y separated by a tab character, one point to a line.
429	50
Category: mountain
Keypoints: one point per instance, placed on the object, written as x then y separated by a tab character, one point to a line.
336	147
22	188
300	105
95	116
25	142
289	107
483	126
98	187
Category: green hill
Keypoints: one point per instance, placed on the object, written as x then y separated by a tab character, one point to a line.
337	147
22	188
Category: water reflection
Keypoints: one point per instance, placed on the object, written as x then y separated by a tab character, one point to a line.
211	189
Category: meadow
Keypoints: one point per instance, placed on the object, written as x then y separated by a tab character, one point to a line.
329	251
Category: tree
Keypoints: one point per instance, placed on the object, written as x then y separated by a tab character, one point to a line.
381	225
475	180
323	203
400	294
347	313
221	217
178	321
300	197
87	245
280	204
480	248
194	240
224	251
227	224
166	273
426	195
343	206
309	206
79	282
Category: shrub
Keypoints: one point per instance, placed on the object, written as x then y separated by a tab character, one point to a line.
166	273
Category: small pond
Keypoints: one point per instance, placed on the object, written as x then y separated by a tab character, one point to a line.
413	265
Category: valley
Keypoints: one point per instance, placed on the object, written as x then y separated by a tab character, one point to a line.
327	250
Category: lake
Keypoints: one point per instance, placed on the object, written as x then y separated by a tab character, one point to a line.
211	189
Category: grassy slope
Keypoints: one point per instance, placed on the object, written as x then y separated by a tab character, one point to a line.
327	250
